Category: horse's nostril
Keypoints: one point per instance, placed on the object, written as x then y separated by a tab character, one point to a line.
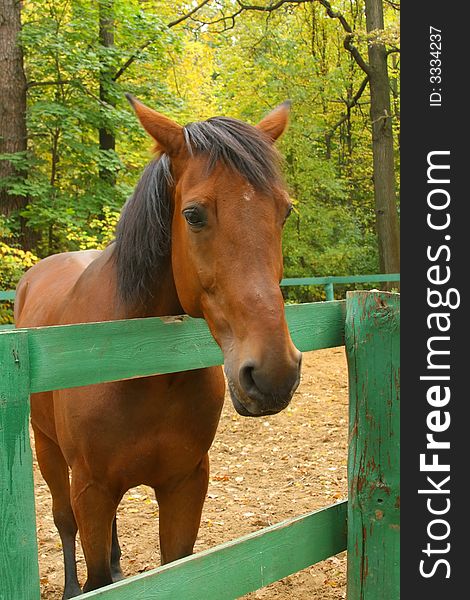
247	380
270	387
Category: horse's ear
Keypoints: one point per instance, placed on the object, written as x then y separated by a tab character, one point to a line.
168	134
275	123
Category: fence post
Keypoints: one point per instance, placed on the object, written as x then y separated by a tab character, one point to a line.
329	291
372	338
19	576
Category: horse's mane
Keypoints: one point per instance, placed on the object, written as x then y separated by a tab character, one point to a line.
143	234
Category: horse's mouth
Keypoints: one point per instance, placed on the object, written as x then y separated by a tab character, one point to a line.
240	404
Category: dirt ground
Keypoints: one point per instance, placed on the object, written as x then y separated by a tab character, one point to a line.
262	471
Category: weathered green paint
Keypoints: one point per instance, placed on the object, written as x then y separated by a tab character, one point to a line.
19	575
74	355
373	346
329	292
233	569
7	295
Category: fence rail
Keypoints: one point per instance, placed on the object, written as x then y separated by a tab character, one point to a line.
327	282
7	295
48	358
241	566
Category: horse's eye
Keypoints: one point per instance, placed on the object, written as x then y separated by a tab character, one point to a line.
195	217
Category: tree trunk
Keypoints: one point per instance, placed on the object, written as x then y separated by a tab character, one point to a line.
13	136
107	139
382	145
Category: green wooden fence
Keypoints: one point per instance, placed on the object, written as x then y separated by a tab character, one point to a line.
7	295
329	281
47	358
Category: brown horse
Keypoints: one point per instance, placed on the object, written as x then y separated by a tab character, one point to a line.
202	235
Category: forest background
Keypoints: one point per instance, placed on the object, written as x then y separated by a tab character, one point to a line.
71	149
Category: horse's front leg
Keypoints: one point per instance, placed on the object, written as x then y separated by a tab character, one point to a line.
56	473
94	505
180	509
116	571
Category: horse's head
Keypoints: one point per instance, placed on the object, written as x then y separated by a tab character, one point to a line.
229	208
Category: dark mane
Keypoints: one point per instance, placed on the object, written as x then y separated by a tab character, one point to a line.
143	234
239	146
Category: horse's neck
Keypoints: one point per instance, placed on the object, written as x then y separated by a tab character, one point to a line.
96	295
165	300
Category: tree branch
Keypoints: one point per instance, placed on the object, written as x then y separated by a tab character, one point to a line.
395	5
148	43
223	19
269	7
355	99
349	104
348	40
187	15
31	84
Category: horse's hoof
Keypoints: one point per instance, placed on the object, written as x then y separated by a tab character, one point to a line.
117	576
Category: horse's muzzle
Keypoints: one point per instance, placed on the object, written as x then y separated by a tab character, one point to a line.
258	392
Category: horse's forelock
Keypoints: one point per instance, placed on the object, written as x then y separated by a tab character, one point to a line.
240	146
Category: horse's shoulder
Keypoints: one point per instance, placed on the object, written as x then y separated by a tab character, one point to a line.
79	258
59	263
45	286
92	295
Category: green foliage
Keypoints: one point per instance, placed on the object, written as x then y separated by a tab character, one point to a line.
322	241
100	234
242	68
69	71
13	263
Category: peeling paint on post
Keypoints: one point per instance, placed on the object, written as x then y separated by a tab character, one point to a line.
372	336
19	575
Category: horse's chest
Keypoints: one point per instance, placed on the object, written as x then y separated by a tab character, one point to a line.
155	449
142	431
